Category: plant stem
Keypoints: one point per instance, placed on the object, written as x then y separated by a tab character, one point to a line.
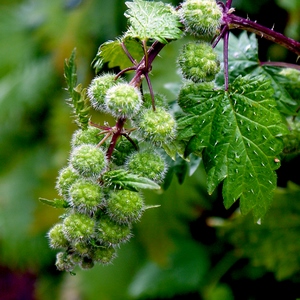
141	70
236	22
280	64
116	135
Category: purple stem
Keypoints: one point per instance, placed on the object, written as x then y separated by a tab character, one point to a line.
280	64
142	69
116	135
225	54
236	22
128	53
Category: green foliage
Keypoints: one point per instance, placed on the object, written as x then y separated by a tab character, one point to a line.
123	179
79	100
225	125
112	53
35	135
273	244
243	60
152	21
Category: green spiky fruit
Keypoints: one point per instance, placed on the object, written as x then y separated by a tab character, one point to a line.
98	88
87	136
103	255
158	126
147	164
85	196
57	237
201	17
67	176
86	263
124	206
63	262
198	62
112	233
78	227
123	100
88	160
122	149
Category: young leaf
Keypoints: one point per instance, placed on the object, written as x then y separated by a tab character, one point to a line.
111	52
124	179
152	20
78	100
238	131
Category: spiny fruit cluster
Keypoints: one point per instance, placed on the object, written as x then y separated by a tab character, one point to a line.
101	202
100	212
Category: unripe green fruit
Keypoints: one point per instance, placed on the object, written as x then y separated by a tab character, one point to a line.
158	126
103	255
66	178
124	206
81	247
112	233
98	88
85	196
63	262
87	136
86	263
198	62
201	17
147	164
123	100
122	149
88	160
57	237
159	99
75	258
78	227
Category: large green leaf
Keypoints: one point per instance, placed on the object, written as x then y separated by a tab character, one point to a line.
243	59
152	20
238	131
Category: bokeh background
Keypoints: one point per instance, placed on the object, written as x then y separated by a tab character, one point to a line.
190	247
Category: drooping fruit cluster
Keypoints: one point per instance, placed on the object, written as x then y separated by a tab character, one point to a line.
102	209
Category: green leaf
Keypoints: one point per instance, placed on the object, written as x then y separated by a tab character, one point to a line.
123	179
275	244
79	99
237	131
56	203
243	60
111	52
152	20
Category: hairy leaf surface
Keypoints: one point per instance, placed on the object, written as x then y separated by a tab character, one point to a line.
243	59
78	100
123	179
113	54
237	132
152	20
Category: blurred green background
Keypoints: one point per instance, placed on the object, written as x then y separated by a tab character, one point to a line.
190	247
